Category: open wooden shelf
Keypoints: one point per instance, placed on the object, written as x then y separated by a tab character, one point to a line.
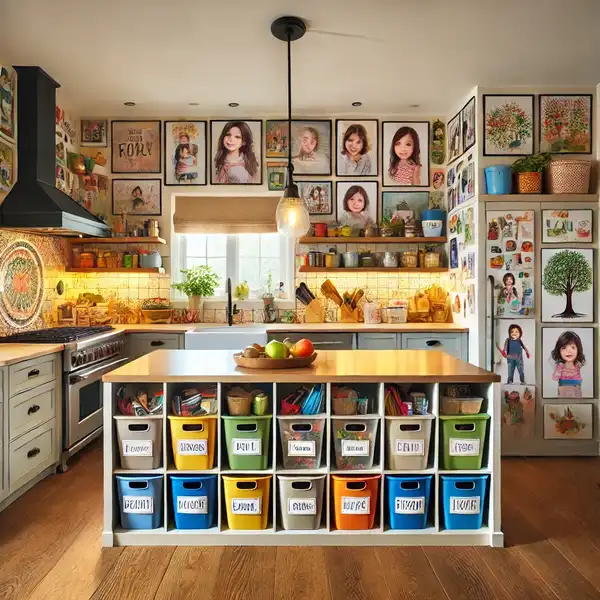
373	240
539	197
115	270
305	269
118	240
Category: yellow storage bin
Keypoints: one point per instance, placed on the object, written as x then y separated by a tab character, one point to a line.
247	501
193	442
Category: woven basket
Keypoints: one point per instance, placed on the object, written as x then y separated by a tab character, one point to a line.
529	183
154	316
461	406
569	176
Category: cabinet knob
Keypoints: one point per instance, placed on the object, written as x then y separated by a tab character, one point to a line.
33	409
157	343
33	373
432	343
33	452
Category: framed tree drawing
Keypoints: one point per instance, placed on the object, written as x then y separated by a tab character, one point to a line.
566	124
135	147
508	125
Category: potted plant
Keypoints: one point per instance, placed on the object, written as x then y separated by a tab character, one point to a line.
156	310
386	228
528	171
200	282
268	300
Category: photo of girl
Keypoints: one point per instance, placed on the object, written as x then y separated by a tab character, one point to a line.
509	294
515	356
185	152
513	352
236	152
317	196
357	203
357	148
311	147
406	153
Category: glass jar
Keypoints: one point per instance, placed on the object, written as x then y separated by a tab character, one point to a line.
409	259
390	260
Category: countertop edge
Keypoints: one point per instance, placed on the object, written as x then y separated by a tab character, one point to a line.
23	352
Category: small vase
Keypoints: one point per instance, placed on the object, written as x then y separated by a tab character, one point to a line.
196	303
529	183
270	314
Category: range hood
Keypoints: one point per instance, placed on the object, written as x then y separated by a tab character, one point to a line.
34	203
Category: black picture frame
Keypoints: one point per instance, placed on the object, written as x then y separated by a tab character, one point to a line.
424	161
332	195
449	160
374	147
462	125
361	183
165	157
101	144
307	123
137	181
533	124
112	153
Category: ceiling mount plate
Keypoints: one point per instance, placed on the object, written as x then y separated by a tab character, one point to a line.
292	26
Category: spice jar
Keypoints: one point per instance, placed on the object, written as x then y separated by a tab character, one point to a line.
87	260
409	259
390	260
432	260
333	230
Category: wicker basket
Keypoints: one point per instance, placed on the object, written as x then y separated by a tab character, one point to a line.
344	406
239	406
162	315
461	406
569	176
529	183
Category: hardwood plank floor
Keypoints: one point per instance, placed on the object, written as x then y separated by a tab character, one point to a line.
50	550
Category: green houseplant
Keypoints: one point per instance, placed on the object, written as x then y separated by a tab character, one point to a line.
528	172
200	282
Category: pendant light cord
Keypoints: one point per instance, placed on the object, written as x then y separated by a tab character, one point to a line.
289	74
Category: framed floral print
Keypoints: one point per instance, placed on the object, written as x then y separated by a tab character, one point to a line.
566	124
508	125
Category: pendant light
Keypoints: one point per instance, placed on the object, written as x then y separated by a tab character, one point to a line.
292	215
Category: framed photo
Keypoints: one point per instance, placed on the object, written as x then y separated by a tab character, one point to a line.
405	153
136	197
185	153
356	148
565	123
401	204
508	125
6	167
357	202
467	120
135	146
559	226
236	152
454	138
8	86
94	132
568	362
311	147
276	175
317	196
568	421
277	139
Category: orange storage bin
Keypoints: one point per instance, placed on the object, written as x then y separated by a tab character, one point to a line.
355	501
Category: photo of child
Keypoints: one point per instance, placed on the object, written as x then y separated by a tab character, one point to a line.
406	153
357	203
136	196
509	294
515	357
185	152
357	148
569	358
513	352
311	147
236	152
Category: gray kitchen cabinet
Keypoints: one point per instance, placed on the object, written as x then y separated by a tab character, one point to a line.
377	341
456	344
139	344
321	341
3	438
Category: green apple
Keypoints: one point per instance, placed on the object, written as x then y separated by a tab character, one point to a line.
275	349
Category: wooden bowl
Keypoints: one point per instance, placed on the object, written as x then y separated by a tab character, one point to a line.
273	363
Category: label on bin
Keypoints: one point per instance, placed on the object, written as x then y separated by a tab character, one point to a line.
246	447
459	505
138	505
463	447
355	447
410	447
302	506
409	506
137	447
246	506
192	447
192	505
352	505
296	448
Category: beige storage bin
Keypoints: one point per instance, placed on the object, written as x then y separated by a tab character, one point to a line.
408	442
140	442
569	176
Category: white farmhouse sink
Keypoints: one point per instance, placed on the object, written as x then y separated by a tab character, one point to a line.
224	338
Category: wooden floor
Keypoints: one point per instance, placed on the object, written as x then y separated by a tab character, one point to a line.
50	549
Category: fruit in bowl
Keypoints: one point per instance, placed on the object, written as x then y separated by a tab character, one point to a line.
301	348
275	349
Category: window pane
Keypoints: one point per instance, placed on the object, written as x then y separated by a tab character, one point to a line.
270	265
196	244
249	271
194	261
220	267
270	245
248	244
216	245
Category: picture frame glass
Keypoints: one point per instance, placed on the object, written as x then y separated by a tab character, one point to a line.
405	154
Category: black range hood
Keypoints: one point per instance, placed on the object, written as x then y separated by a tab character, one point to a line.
34	203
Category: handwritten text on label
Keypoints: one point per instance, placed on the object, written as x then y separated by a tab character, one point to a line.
355	447
356	506
302	506
464	447
245	506
465	506
410	447
139	505
410	506
137	447
246	447
192	447
307	448
192	505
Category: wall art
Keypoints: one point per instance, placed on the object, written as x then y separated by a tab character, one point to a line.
405	153
94	132
566	123
277	138
136	197
568	421
357	202
135	147
467	123
437	179
518	412
465	181
454	138
568	362
567	285
508	123
437	200
356	148
311	147
236	152
453	253
276	175
515	351
8	86
185	153
401	204
317	196
6	167
560	226
438	142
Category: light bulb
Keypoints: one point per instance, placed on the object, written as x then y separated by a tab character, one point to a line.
292	217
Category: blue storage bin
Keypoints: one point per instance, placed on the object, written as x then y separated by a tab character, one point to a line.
140	501
194	501
408	501
464	501
498	179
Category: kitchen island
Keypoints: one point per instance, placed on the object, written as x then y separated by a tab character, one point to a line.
377	455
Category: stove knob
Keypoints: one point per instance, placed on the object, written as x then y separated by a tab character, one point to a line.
74	360
79	358
89	356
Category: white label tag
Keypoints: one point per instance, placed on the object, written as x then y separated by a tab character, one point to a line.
246	506
410	447
410	506
192	505
463	447
137	447
192	447
246	447
356	506
138	505
296	448
355	447
465	506
302	506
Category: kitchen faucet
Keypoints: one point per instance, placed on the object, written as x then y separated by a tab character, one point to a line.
231	308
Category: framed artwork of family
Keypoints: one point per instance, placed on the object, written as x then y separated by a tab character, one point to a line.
405	153
185	153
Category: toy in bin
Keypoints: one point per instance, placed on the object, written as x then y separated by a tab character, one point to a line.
195	403
304	401
141	405
398	403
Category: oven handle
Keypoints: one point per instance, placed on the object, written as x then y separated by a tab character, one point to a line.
76	378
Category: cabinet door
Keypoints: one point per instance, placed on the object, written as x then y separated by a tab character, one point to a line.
139	344
451	343
377	341
321	341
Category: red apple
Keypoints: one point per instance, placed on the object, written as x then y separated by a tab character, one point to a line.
302	348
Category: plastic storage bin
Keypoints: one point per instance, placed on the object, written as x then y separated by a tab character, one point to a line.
140	501
301	501
408	501
498	179
193	442
464	501
140	442
247	501
247	440
194	501
463	438
301	441
408	442
354	442
355	501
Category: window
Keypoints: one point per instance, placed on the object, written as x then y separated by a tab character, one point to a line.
243	257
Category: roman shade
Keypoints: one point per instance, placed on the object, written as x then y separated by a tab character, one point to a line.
225	214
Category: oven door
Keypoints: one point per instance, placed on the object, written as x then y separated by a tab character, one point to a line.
83	401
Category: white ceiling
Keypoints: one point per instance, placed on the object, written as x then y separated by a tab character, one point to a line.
164	54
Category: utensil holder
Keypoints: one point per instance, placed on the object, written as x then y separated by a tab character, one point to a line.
315	312
348	315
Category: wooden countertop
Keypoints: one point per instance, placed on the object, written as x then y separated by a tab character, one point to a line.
14	353
350	366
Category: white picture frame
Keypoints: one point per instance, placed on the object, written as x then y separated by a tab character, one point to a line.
564	226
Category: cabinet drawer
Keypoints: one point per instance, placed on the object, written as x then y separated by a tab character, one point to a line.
377	341
30	374
140	344
321	341
30	454
30	409
453	344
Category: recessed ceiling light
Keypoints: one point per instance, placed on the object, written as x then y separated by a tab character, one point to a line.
414	105
357	104
129	103
234	104
193	103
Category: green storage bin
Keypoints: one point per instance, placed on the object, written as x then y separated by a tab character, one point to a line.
463	438
247	440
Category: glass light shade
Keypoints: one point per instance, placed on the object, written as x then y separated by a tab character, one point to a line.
292	217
